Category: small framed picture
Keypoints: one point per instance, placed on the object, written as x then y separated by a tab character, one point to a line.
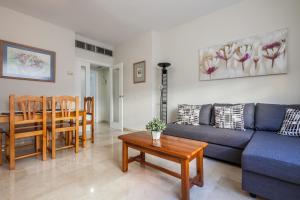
23	62
139	72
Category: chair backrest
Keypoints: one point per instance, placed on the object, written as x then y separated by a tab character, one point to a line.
49	103
65	108
27	109
89	105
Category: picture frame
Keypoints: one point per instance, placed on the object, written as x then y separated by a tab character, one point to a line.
139	72
18	61
253	56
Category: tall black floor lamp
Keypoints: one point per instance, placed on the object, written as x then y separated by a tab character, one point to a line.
164	91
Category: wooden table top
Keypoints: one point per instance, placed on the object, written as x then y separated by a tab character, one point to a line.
173	146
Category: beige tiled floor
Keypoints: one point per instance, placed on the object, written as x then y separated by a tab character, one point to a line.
95	174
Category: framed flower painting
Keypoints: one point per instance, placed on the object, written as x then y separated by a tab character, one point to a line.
19	61
254	56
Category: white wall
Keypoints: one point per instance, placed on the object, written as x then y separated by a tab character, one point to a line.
23	29
139	98
180	46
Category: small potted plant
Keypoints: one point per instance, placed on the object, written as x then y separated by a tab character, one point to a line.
156	126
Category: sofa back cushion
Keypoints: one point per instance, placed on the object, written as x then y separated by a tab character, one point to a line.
205	114
269	117
249	111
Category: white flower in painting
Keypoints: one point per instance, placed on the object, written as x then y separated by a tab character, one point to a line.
226	52
243	53
209	63
257	54
273	50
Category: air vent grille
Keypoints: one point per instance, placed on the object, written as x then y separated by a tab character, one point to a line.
80	44
108	52
93	48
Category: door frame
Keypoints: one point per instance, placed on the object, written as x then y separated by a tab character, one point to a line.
80	62
117	125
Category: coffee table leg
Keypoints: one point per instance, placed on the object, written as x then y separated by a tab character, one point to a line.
185	180
143	157
124	157
199	161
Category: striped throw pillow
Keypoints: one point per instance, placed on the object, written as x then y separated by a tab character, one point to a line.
291	123
188	114
230	117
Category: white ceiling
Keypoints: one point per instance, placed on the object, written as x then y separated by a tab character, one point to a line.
115	21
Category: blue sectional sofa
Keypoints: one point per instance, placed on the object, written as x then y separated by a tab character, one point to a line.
270	162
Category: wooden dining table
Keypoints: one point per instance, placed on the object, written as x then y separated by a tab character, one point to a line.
4	119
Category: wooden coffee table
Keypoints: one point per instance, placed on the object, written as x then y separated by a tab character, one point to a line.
171	148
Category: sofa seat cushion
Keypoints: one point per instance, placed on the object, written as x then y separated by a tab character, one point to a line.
273	155
207	133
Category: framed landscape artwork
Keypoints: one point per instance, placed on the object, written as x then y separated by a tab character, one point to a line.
139	72
254	56
19	61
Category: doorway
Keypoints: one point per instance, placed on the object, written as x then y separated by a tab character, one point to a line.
99	77
105	83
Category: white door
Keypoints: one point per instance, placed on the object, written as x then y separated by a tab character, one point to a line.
116	94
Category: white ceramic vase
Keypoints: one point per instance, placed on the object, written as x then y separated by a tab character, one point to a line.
156	135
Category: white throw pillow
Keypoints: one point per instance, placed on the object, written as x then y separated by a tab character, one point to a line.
291	123
188	114
230	117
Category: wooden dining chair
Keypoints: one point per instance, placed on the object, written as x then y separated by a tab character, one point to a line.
27	118
64	120
89	105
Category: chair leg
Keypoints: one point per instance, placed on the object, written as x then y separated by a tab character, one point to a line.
84	133
6	146
76	141
70	138
67	138
48	138
93	132
53	145
0	149
44	145
12	154
37	145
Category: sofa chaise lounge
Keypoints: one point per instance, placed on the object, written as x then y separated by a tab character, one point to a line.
270	162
